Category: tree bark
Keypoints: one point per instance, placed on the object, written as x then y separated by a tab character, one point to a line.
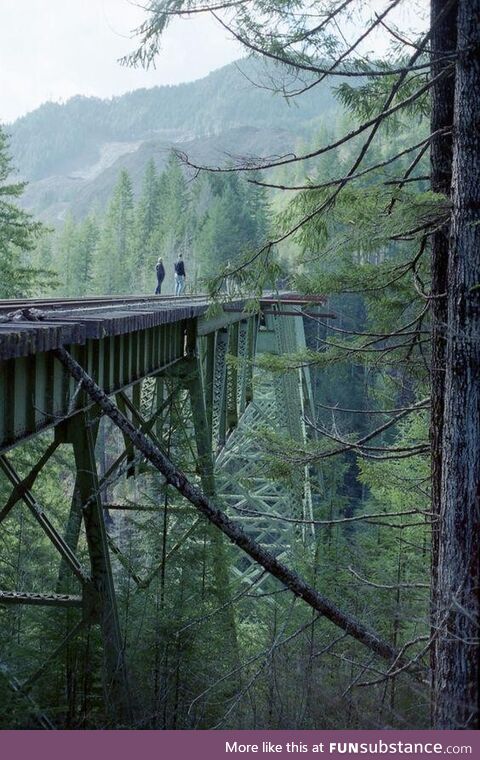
443	40
457	657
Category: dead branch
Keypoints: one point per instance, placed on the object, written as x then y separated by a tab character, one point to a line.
388	587
328	523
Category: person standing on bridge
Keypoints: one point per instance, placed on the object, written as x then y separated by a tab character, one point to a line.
179	275
160	276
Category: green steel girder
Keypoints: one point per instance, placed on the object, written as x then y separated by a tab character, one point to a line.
243	357
36	392
208	363
279	404
219	402
40	600
43	669
116	687
232	379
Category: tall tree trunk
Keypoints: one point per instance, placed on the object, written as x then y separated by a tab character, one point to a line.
456	696
443	40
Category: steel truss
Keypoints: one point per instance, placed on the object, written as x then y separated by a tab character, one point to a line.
245	485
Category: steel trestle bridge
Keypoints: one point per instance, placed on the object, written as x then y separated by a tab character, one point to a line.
141	351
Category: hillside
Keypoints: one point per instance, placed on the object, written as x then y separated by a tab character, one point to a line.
70	153
51	197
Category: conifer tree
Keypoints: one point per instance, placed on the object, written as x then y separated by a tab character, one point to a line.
19	234
68	255
87	248
148	227
115	264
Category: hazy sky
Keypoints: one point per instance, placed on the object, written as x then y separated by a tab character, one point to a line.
53	49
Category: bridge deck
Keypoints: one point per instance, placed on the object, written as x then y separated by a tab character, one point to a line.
119	341
72	322
63	321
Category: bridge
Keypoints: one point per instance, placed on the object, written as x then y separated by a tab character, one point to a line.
152	367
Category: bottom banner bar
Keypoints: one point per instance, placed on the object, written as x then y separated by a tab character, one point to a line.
222	745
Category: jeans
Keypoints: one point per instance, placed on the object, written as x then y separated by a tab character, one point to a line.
159	287
179	284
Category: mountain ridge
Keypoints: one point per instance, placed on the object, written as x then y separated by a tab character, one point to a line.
67	151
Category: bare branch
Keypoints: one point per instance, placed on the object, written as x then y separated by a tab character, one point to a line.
350	177
327	523
388	587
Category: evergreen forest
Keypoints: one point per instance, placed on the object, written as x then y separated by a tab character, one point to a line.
366	201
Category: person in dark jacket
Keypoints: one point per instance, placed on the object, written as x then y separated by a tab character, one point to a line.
179	275
160	276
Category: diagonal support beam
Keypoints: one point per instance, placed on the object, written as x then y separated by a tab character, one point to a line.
145	583
124	561
44	522
206	506
137	417
16	687
145	426
27	483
